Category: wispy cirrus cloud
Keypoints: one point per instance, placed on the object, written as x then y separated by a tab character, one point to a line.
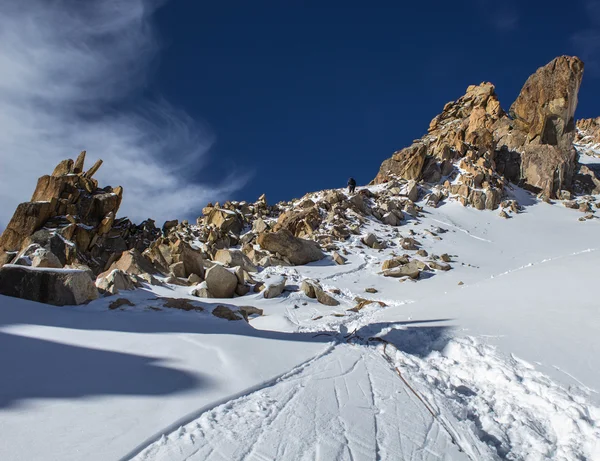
67	70
587	41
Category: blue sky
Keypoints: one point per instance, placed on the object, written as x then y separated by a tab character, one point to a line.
305	94
196	101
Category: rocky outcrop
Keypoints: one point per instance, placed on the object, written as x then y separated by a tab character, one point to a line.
59	287
473	147
73	218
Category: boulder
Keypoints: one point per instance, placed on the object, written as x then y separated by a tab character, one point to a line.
59	287
296	250
220	282
274	287
232	258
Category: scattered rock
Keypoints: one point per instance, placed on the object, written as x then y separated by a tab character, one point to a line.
370	290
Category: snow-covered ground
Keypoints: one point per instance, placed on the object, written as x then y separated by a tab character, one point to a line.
496	359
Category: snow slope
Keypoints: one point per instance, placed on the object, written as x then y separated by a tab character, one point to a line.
501	366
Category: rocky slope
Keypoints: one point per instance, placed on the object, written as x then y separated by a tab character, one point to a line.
472	152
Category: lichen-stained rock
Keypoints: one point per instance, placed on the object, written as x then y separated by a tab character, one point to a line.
59	287
296	250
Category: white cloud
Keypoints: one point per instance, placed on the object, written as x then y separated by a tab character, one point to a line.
67	67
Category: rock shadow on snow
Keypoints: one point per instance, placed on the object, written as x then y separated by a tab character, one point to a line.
33	368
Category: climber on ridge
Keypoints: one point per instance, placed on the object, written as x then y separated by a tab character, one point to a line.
351	186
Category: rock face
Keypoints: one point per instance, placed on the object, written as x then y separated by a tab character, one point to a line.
296	250
59	287
533	146
545	108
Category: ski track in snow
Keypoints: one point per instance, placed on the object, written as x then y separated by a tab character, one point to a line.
350	384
